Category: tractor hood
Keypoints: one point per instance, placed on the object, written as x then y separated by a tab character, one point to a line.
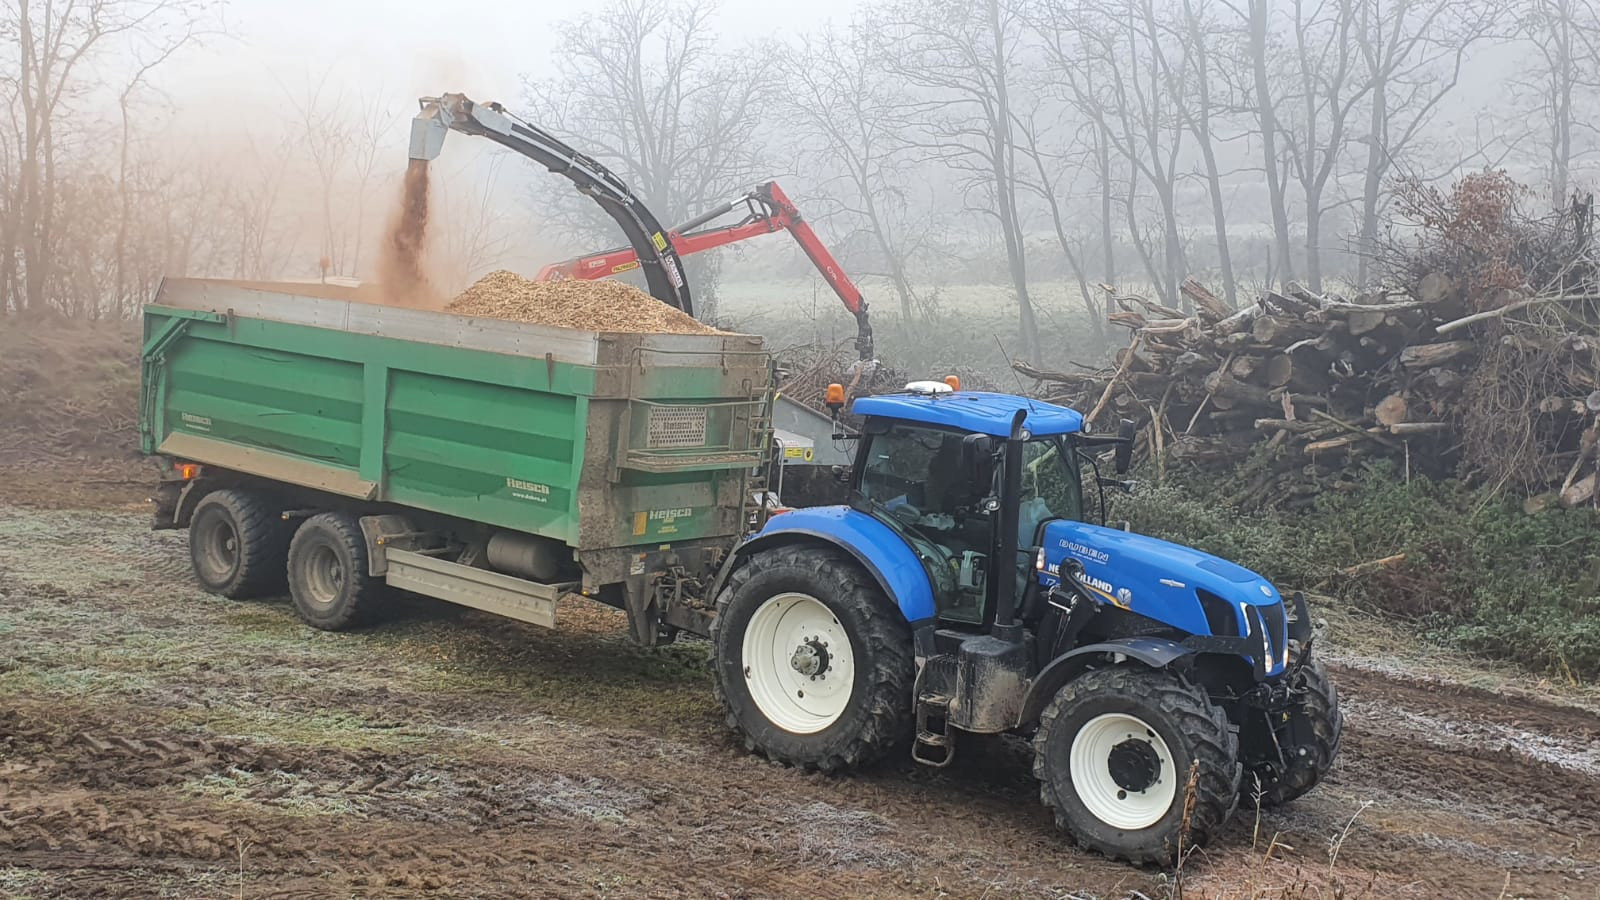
1192	591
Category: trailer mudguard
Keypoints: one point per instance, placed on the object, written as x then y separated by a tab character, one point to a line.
873	544
1156	653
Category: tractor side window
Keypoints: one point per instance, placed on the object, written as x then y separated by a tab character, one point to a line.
915	476
915	472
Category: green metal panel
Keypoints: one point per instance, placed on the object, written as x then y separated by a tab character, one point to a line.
486	452
522	440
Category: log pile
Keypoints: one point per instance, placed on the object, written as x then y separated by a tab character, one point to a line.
1502	388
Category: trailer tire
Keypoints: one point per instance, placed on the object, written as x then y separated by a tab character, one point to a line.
237	544
1113	756
812	598
328	574
1319	704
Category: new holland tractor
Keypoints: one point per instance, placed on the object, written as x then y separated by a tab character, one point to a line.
961	589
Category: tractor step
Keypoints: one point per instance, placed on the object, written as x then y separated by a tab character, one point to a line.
935	744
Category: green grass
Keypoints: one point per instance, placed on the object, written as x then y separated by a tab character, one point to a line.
1478	573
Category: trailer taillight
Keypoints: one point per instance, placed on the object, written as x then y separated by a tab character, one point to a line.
187	471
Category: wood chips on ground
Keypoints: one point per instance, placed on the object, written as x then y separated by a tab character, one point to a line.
603	305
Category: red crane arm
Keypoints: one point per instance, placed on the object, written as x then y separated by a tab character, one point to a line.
770	210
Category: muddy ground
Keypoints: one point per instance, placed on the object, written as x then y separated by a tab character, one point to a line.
158	741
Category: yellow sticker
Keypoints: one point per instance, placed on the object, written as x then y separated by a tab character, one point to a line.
623	267
661	242
640	520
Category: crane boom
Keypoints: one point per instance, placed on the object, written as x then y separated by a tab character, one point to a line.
769	210
652	251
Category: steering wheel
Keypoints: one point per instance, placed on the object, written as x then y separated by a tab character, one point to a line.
907	513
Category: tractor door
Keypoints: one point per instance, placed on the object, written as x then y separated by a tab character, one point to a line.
912	477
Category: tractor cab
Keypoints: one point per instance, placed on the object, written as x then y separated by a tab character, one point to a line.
929	465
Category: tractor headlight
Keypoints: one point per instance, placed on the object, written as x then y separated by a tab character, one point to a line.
1038	561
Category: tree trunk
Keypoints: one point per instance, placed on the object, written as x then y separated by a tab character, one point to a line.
1266	113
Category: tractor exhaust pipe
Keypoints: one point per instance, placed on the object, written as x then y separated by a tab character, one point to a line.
1004	566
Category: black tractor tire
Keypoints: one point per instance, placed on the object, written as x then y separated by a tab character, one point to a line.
328	574
1195	732
237	544
878	712
1319	704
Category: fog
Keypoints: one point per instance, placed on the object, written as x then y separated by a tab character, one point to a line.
1035	148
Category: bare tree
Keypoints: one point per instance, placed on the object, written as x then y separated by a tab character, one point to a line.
1413	51
961	57
1206	47
1566	36
643	87
1132	105
1050	174
55	43
1262	54
1329	86
854	121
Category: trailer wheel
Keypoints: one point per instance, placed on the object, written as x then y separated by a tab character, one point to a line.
1113	756
1319	707
237	544
328	573
814	664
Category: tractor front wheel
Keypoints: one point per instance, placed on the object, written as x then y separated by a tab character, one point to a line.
1315	716
1136	763
814	664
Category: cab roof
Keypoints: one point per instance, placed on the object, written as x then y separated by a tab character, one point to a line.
974	411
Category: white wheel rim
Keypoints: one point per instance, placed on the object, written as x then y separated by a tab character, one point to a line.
1109	800
798	663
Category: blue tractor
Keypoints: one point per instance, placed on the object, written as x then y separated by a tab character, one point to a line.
961	589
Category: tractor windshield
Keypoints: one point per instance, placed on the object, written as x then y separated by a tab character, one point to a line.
1051	487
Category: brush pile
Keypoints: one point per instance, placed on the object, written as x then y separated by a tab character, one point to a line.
1483	361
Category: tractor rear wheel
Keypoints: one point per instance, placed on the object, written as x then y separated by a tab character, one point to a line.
814	664
1317	705
1119	754
237	544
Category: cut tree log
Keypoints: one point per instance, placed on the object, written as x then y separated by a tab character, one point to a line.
1278	370
1239	321
1435	287
1222	385
1280	330
1422	356
1207	305
1342	442
1390	411
1580	491
1362	321
1408	429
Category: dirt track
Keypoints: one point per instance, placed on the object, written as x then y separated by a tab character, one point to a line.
158	741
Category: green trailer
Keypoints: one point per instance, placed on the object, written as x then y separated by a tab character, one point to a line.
501	465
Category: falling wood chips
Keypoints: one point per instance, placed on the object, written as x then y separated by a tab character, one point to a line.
588	305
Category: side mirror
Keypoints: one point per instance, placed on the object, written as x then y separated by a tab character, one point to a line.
977	457
1123	456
